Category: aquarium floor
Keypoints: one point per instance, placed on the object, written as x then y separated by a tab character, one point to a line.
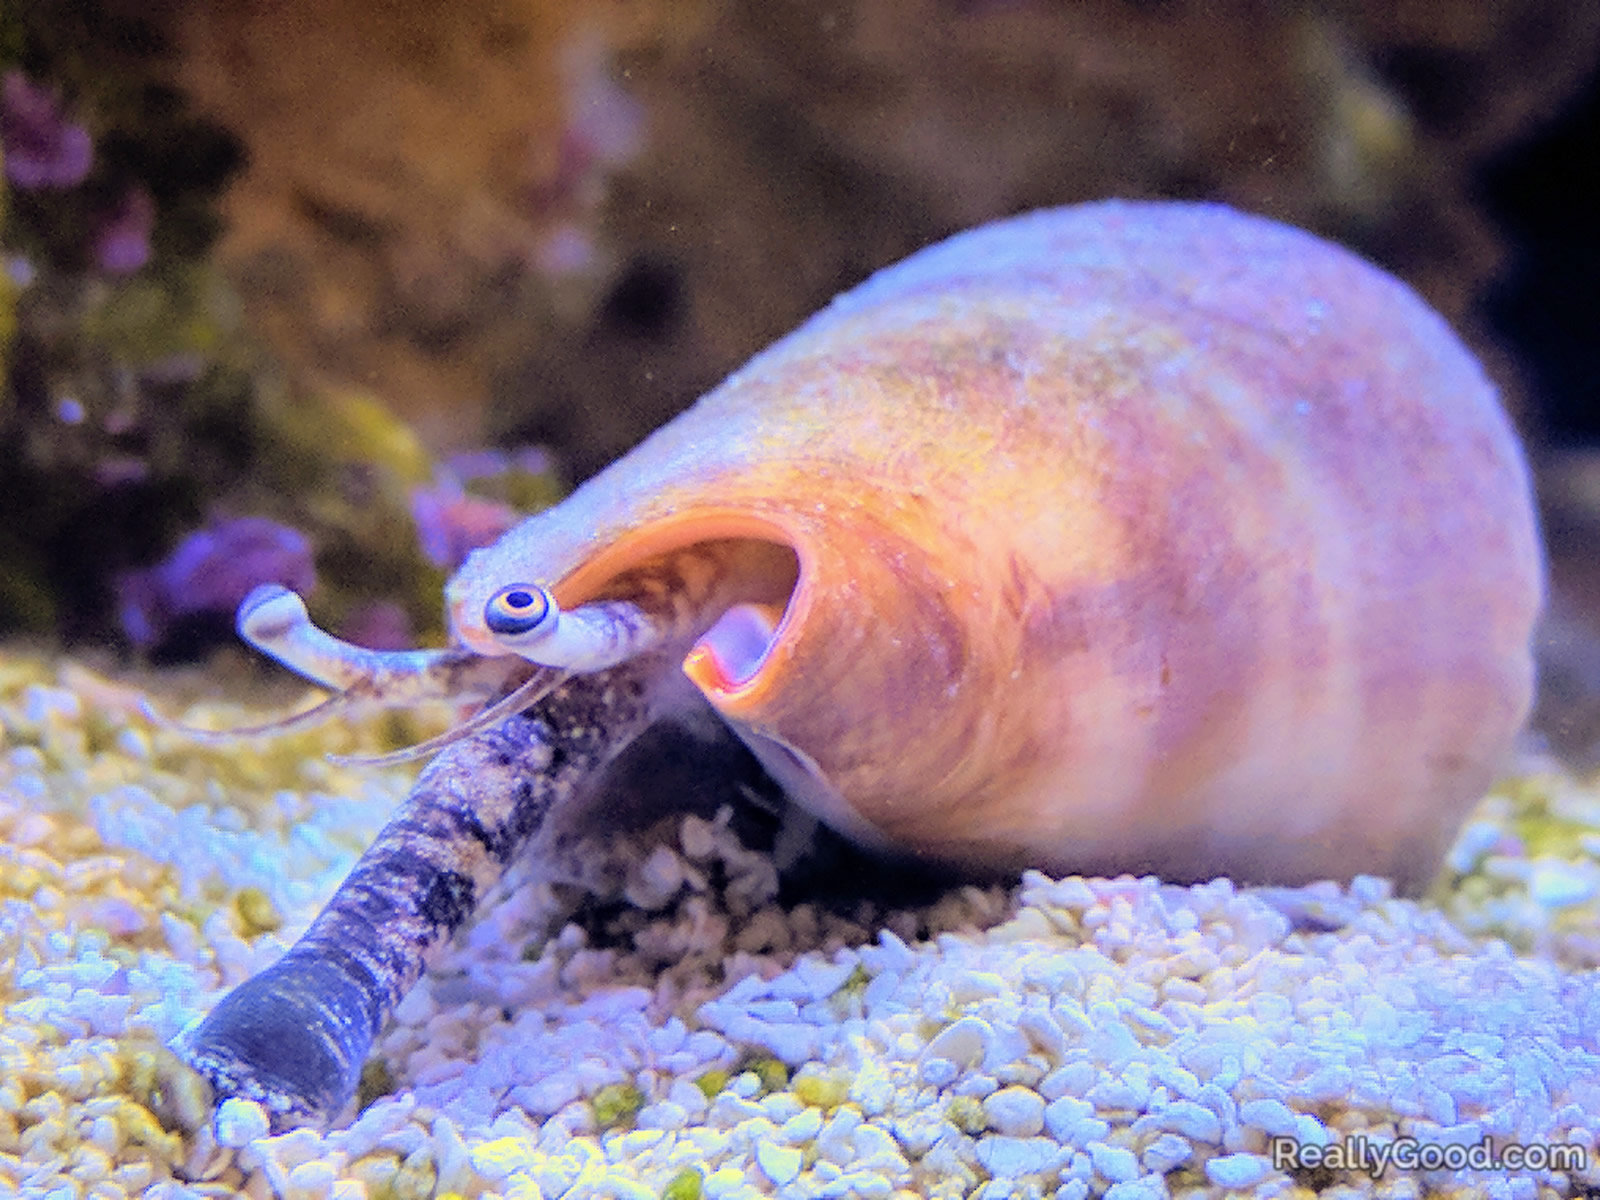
660	1026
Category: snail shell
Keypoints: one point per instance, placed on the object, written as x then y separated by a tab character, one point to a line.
1142	537
1131	537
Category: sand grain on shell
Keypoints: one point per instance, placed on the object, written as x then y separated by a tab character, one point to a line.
1061	1038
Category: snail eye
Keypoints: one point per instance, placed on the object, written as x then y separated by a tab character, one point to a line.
516	609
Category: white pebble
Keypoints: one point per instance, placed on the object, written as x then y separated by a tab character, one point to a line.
1219	1101
835	1141
869	1185
816	978
1195	1121
1166	1151
381	1119
1114	1093
104	1135
1117	1164
1063	1115
406	1140
1329	1084
502	1157
963	1042
967	986
872	1088
240	1122
728	1110
1011	1157
877	1149
1073	1079
310	1181
1238	1170
1272	1117
1311	1131
780	1163
1146	1187
781	1106
1089	1129
890	954
298	1146
663	1115
658	880
698	838
40	704
723	1182
1557	884
801	1127
789	1041
1015	1112
1041	1029
918	1131
1071	892
1476	839
978	1085
416	1007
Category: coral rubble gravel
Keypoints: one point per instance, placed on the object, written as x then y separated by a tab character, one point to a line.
665	1030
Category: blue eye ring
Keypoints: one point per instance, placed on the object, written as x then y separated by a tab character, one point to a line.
517	609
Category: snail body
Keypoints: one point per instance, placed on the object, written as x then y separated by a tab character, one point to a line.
1128	537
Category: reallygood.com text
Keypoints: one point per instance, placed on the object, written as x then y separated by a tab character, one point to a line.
1377	1155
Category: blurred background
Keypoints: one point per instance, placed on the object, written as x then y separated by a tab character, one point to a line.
325	292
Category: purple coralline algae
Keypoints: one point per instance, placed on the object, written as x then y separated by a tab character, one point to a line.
43	149
122	242
210	572
451	522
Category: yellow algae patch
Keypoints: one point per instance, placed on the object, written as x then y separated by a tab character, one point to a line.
1526	866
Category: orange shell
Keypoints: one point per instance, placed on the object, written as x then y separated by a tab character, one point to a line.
1132	536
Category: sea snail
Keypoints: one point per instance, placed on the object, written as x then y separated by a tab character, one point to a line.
1144	537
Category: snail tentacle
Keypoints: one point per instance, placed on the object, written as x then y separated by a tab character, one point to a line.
316	715
591	637
525	695
274	620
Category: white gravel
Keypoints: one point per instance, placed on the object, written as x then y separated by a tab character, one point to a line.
1063	1038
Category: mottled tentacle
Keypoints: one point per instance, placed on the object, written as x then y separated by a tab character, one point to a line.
527	621
274	620
528	693
294	1036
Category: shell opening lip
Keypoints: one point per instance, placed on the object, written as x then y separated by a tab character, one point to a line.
732	652
776	585
741	655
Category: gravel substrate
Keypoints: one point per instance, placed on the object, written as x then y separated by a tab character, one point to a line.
663	1029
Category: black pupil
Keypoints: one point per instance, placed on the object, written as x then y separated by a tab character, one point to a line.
519	599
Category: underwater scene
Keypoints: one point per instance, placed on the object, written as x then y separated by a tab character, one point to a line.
951	599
